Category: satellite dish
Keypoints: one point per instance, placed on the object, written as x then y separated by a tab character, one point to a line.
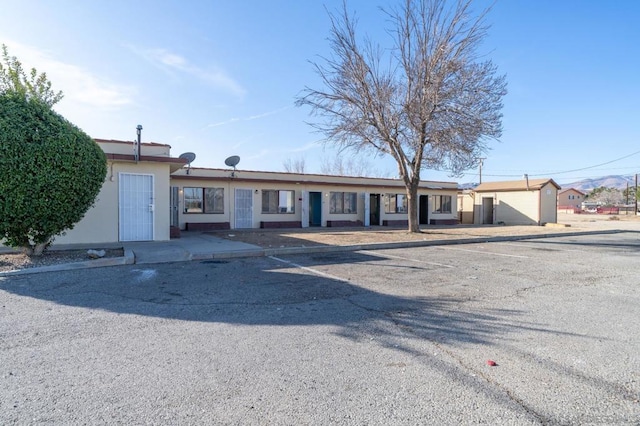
232	161
189	156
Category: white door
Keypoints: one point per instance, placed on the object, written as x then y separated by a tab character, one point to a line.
135	207
244	208
305	209
367	209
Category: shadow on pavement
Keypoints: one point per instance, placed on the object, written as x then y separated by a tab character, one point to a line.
264	291
605	243
275	292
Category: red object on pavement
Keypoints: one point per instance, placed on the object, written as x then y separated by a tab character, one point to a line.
491	363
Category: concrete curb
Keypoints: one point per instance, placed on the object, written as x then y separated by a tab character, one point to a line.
235	254
127	259
130	259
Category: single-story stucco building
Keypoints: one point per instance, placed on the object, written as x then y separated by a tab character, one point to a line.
133	202
226	199
520	202
148	192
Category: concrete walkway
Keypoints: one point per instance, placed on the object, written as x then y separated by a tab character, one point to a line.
190	246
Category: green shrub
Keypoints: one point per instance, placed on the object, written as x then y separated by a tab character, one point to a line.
50	173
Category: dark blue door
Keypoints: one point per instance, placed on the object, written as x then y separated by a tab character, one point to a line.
315	208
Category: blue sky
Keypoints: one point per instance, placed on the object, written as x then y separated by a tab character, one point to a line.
220	78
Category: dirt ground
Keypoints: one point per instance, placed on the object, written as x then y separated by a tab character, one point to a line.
309	237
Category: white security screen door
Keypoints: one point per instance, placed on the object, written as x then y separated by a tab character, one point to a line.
244	208
135	207
367	209
305	209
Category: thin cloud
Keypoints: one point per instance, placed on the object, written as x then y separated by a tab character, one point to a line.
307	147
266	152
259	154
267	114
222	123
78	84
170	61
251	117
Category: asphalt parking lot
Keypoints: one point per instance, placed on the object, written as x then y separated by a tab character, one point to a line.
397	336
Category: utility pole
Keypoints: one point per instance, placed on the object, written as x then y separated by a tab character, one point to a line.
626	203
636	194
481	161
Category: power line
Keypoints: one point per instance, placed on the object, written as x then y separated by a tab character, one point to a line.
561	172
597	165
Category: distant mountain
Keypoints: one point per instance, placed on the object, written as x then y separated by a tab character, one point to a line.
585	185
613	181
469	185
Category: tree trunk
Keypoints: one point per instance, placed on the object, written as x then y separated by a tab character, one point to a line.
39	249
35	249
412	204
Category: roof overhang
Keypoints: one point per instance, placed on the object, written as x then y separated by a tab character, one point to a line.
174	163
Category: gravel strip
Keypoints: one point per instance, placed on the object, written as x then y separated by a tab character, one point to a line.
14	261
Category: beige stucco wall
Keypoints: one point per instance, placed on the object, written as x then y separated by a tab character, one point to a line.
535	207
332	184
512	208
548	204
465	207
100	223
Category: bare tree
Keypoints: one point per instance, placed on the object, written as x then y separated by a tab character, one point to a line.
342	165
294	165
430	101
606	196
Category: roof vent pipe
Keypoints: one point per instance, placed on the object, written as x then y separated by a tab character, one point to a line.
138	150
526	176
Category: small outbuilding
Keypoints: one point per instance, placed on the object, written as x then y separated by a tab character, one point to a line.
570	199
520	202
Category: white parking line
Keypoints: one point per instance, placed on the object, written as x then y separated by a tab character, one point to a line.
313	271
485	252
532	245
372	253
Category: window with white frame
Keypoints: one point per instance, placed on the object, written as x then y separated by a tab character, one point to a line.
395	203
441	203
203	200
275	201
343	202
